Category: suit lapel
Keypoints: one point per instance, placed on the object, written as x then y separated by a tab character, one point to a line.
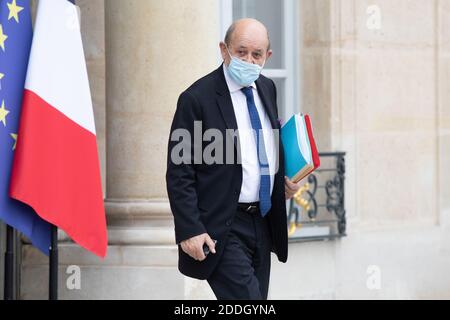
224	101
268	106
225	106
227	111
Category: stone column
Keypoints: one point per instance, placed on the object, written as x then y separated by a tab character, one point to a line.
154	50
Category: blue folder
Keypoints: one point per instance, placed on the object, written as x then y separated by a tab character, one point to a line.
296	163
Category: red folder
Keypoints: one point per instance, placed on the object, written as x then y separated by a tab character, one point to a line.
315	153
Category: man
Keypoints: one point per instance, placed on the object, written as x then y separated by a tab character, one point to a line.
241	204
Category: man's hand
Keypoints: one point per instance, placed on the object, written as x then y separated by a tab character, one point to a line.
290	188
194	246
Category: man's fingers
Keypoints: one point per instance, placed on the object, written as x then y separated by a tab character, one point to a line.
211	244
292	186
188	250
290	189
200	256
194	246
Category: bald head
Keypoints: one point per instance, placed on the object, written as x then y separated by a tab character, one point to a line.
247	25
248	40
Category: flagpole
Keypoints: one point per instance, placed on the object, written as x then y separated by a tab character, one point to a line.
9	265
53	267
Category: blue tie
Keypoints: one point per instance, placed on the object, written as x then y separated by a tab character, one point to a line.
265	202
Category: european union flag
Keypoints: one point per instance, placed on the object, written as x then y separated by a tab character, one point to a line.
15	43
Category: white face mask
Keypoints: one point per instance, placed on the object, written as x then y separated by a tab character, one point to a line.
242	72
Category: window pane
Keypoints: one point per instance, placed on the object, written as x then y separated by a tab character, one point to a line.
270	13
280	84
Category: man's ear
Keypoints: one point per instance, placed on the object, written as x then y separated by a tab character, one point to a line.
269	54
224	53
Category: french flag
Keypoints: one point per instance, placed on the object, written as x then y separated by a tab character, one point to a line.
56	168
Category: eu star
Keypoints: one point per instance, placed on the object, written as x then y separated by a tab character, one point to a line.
14	10
3	38
14	136
3	113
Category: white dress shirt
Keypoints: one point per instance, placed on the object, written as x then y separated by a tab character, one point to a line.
249	157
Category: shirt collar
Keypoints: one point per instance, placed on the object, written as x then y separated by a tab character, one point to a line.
232	85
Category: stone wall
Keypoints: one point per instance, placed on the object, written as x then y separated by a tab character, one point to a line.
380	95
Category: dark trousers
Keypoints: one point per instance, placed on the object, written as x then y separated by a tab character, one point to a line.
243	271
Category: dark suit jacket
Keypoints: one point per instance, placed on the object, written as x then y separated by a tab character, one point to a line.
203	198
